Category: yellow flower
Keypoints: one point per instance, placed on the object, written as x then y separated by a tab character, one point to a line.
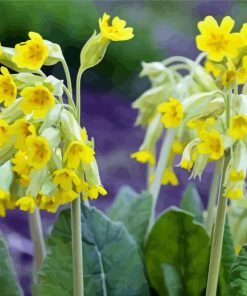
93	192
4	132
172	113
186	164
217	40
22	129
32	53
238	126
37	100
169	177
48	203
4	199
63	197
236	176
234	193
67	179
38	151
26	203
78	152
116	31
8	88
144	156
21	166
211	144
178	147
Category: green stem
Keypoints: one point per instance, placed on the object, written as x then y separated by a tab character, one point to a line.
78	93
162	163
216	248
37	238
67	75
213	197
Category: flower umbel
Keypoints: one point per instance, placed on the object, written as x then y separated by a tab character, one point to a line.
117	30
32	53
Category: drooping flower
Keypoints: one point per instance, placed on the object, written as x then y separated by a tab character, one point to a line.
37	100
21	166
117	31
38	151
22	129
211	144
32	53
238	126
4	132
93	192
144	156
46	202
4	198
8	88
78	152
217	40
67	179
169	177
26	203
172	113
62	197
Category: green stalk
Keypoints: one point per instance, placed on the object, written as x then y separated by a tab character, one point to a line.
213	197
78	281
216	248
37	238
67	75
162	163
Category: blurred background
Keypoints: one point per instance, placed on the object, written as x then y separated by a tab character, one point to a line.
162	29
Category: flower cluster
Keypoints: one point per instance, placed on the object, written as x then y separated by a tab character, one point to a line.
46	158
204	116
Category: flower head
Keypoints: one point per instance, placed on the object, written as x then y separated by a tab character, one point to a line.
172	113
4	132
238	126
211	144
217	40
67	179
93	192
32	53
117	30
26	203
78	152
37	100
8	88
38	151
22	129
144	156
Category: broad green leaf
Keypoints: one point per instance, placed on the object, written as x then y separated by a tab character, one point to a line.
112	265
227	259
191	202
178	240
238	276
134	211
8	281
173	281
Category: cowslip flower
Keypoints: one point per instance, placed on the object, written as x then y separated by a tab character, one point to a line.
21	167
22	129
93	192
238	126
172	113
169	177
78	152
66	179
4	132
144	156
211	144
117	31
4	198
38	151
217	40
46	202
62	197
32	53
26	203
8	88
37	100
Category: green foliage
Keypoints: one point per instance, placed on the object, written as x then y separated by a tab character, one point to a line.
112	265
173	281
181	242
134	211
191	202
8	282
238	276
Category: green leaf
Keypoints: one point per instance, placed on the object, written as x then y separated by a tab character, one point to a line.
112	265
173	281
238	276
8	281
191	202
134	211
227	259
178	240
